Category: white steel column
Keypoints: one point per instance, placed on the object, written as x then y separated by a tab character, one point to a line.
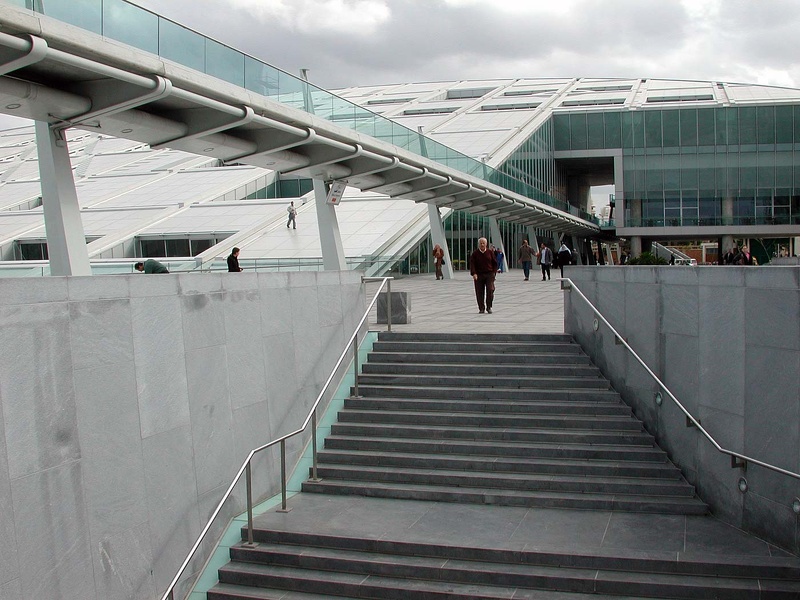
438	237
532	241
497	238
66	241
330	240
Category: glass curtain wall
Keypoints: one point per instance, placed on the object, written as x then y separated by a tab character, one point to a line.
698	166
534	164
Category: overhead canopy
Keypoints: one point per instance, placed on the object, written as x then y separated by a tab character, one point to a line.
69	77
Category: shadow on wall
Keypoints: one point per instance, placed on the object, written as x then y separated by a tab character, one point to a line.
725	342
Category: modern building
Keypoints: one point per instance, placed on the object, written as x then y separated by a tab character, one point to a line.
129	400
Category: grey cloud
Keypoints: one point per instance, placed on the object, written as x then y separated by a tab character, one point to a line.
431	40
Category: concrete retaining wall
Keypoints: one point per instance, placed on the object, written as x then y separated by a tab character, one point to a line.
726	341
129	402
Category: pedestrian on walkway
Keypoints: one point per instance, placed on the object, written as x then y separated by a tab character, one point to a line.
438	261
545	260
483	268
292	214
233	261
565	257
525	257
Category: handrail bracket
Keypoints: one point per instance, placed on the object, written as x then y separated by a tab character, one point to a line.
738	464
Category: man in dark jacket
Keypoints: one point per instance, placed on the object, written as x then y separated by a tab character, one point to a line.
150	266
545	260
233	262
483	267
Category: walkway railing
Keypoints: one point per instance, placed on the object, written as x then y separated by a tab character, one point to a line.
311	418
737	459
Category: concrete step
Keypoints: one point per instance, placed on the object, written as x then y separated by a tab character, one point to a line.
497	434
358	574
495	481
677	505
504	464
486	393
571	358
542	407
231	591
482	382
531	349
656	561
443	367
475	338
422	444
480	419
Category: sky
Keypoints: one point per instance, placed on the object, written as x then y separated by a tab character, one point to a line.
367	42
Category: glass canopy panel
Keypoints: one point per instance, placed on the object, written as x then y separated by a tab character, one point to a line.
130	25
224	63
181	45
86	14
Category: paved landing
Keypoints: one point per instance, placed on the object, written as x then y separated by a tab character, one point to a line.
555	530
449	305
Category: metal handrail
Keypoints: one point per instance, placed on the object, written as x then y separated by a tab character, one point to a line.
312	417
569	285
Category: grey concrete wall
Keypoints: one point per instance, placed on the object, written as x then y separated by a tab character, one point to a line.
726	341
130	401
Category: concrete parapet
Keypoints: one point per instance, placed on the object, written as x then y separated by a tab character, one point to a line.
128	402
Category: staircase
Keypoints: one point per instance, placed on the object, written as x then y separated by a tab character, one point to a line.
504	420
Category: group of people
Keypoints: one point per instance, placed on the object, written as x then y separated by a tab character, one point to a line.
734	256
544	256
484	266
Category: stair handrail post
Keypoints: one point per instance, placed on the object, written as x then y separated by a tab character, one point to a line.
249	483
389	306
690	419
314	476
355	367
283	507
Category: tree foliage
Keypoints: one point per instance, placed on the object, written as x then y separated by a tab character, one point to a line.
647	258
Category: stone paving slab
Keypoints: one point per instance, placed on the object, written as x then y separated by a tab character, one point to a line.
449	305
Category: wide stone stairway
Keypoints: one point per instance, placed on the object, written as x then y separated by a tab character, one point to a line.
524	440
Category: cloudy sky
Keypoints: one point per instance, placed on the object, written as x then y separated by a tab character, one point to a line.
363	42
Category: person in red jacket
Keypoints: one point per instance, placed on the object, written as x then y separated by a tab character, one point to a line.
483	267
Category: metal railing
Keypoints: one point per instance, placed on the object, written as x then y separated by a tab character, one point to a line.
311	418
737	459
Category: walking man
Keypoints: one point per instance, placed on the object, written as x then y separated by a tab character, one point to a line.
483	267
545	260
525	256
292	214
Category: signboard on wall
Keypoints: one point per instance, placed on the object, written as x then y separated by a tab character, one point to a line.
337	191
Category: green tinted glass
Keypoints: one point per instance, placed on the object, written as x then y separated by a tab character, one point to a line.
130	25
86	14
181	45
